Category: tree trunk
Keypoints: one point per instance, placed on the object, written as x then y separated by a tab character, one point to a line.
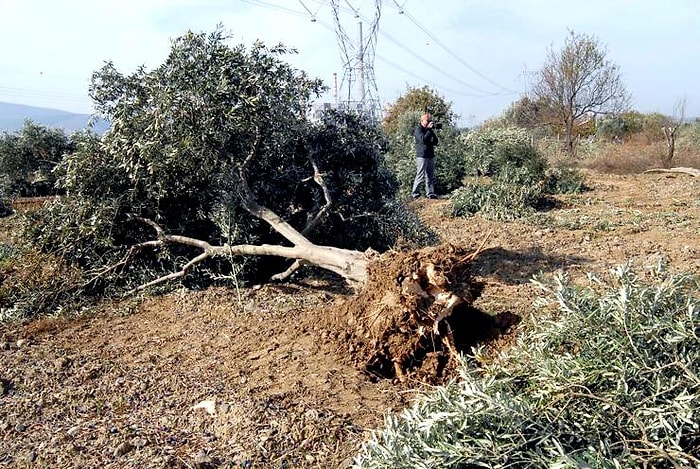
349	264
670	133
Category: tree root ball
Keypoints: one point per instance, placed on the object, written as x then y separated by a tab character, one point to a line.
415	314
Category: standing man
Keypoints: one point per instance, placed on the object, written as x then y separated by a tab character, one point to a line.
426	141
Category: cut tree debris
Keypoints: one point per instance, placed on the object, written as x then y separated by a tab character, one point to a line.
679	170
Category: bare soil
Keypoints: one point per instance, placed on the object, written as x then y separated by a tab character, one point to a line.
268	376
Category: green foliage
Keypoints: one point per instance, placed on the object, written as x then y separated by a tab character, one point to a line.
5	205
612	129
183	136
417	101
564	179
488	149
518	176
610	380
525	113
690	136
633	121
498	200
27	159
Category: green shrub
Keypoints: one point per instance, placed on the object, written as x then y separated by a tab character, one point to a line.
564	179
489	148
689	136
28	157
609	379
520	177
499	200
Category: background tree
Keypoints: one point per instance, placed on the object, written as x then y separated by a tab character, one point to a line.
209	157
27	159
416	101
578	81
535	116
670	128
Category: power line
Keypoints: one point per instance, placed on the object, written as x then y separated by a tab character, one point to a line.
422	59
430	82
344	41
433	67
273	6
403	12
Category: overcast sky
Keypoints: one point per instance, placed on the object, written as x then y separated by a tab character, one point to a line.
481	55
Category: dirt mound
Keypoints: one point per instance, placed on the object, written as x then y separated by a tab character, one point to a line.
415	314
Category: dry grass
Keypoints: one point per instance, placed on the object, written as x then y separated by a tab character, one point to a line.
638	155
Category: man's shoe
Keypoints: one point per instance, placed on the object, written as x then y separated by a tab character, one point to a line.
432	196
415	197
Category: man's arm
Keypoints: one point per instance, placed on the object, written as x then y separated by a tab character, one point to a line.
430	138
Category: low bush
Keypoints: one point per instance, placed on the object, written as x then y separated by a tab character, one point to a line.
608	379
519	177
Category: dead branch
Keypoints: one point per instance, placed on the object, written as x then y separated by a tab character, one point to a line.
680	170
298	264
349	264
318	178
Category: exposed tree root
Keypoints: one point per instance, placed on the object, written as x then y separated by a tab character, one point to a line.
410	319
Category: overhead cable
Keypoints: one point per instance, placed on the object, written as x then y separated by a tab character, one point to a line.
449	51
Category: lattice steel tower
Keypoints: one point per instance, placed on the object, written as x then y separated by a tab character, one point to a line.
358	87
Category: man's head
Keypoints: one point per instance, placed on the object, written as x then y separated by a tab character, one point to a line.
425	119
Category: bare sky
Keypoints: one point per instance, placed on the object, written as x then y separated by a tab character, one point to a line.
479	54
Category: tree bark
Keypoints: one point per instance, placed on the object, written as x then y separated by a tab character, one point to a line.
349	264
679	170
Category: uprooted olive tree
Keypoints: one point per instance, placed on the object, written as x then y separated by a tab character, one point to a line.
212	170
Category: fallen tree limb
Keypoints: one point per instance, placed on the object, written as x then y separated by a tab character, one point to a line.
679	170
351	265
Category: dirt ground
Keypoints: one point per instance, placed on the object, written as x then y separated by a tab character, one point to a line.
257	378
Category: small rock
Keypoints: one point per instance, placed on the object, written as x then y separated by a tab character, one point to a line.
208	405
123	448
22	342
139	442
30	457
62	362
202	460
73	431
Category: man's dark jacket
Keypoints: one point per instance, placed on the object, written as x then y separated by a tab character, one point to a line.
426	140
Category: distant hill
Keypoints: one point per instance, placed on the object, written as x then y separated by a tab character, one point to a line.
12	117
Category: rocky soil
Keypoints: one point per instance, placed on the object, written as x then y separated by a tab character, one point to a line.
257	378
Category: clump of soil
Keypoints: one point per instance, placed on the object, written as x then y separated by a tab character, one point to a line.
416	314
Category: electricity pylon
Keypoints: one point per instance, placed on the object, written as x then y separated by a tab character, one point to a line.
358	87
